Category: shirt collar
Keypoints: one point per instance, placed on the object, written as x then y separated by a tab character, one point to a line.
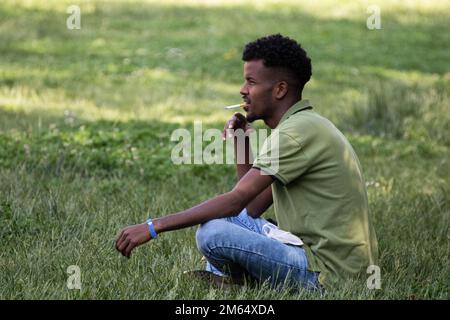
299	106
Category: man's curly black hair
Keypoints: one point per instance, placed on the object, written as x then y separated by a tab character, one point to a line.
282	52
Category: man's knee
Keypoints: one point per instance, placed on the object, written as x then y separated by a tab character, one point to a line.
209	234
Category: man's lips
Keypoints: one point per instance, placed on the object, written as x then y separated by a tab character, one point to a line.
247	104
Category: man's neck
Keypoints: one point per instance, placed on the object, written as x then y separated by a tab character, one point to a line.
280	110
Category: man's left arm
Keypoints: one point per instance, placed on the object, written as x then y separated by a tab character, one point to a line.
224	205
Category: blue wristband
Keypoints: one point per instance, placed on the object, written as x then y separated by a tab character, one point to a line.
151	229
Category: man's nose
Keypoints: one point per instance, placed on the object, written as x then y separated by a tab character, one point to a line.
244	90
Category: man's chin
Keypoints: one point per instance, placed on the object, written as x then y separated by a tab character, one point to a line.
251	117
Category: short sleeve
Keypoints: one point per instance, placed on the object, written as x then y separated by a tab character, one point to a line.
283	157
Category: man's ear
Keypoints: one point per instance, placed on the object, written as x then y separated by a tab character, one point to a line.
281	89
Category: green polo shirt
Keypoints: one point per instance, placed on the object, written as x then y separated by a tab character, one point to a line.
319	193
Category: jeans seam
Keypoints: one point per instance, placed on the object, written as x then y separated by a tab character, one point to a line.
263	256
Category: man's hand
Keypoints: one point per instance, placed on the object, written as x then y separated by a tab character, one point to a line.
237	121
131	237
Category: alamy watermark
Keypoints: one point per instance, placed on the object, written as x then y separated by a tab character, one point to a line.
374	20
74	20
190	149
374	280
74	279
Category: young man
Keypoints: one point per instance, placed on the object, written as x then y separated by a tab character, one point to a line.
306	168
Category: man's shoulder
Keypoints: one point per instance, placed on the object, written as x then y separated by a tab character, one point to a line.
315	132
304	124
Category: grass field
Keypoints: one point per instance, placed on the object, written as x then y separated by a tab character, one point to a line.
86	118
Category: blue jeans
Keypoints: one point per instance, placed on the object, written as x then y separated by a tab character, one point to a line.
236	246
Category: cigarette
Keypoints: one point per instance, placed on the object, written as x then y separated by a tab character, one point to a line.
235	106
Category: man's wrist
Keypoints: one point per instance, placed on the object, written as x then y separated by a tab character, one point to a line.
157	225
151	228
237	137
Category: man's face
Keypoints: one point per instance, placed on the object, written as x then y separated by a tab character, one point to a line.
257	90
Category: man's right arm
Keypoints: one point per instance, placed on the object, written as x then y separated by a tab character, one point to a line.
244	161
